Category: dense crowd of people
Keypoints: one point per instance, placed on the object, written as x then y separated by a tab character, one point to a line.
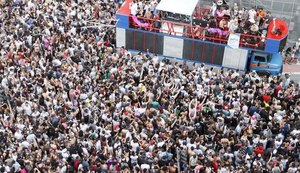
217	22
72	102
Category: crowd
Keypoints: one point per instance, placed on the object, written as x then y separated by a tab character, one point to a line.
72	102
217	22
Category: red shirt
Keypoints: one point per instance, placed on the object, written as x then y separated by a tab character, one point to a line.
277	89
215	165
93	167
76	164
9	54
266	98
259	150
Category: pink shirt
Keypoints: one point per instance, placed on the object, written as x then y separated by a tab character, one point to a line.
23	171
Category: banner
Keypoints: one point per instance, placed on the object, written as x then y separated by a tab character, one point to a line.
234	41
139	23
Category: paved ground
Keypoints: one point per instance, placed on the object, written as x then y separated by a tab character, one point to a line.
296	77
293	70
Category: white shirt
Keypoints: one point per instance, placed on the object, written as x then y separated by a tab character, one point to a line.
134	158
147	7
294	141
18	135
145	166
84	127
25	144
213	9
30	4
139	111
98	145
30	138
20	126
133	8
4	83
85	151
134	145
278	143
191	145
252	14
73	13
264	142
63	169
160	144
56	62
47	32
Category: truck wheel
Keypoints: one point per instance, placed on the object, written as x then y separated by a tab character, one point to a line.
263	73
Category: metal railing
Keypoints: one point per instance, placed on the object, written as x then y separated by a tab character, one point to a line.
195	32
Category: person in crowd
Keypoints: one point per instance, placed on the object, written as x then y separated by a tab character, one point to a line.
233	25
235	9
243	14
252	14
133	6
254	29
213	10
223	24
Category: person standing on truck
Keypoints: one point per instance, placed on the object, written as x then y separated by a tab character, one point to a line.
213	9
254	29
201	27
251	14
268	19
243	13
223	24
153	5
233	25
133	7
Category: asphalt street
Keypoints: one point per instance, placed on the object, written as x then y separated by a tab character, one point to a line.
295	77
293	70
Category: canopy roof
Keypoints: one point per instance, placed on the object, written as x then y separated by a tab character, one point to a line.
185	7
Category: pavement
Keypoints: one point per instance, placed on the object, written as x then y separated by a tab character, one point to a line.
293	70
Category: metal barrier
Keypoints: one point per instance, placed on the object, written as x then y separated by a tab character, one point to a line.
195	32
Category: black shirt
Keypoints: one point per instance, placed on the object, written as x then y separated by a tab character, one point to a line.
212	24
203	23
264	114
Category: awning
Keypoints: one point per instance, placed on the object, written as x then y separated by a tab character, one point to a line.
185	7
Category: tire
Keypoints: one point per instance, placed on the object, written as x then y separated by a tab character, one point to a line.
263	73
